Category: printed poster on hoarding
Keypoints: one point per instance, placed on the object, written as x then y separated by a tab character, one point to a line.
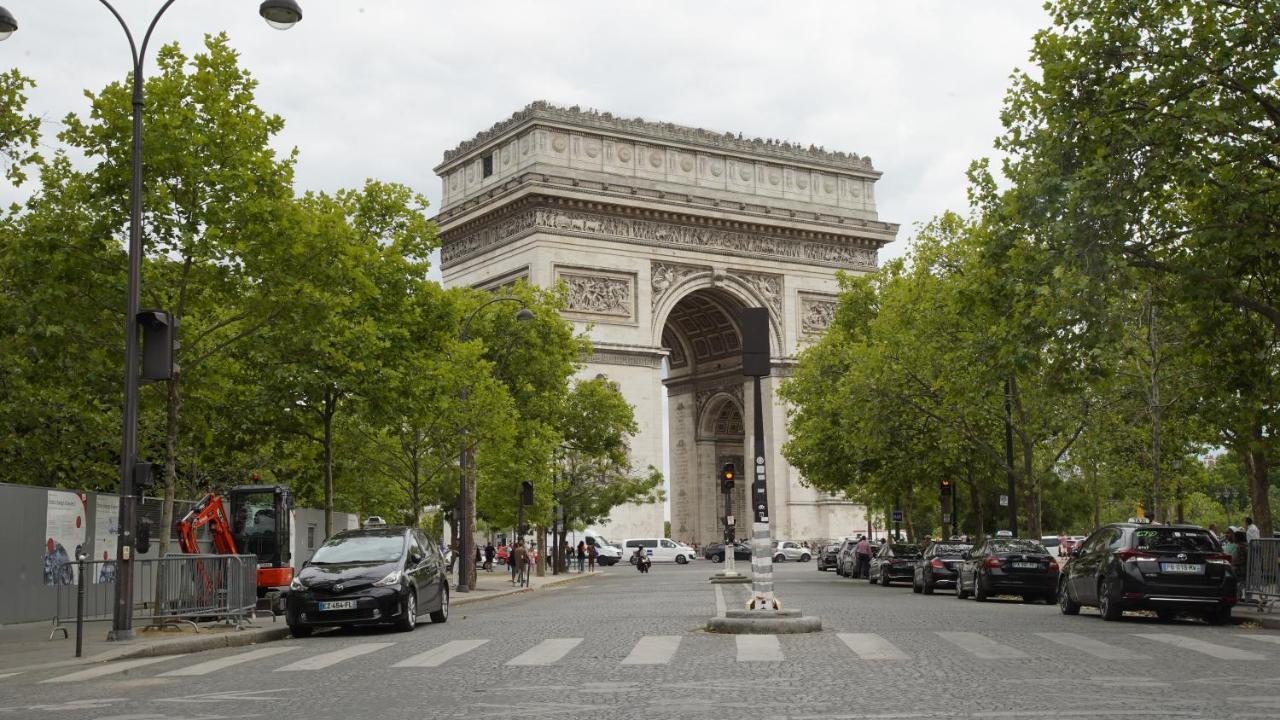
65	533
106	531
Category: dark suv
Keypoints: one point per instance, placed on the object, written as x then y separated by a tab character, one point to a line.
1166	568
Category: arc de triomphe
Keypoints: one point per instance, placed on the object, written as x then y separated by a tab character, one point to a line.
661	234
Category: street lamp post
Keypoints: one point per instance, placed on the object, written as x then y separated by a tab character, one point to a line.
280	14
466	511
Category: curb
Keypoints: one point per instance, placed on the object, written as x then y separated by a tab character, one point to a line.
185	646
1268	621
469	599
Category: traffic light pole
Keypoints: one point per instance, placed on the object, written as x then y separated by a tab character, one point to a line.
761	548
726	478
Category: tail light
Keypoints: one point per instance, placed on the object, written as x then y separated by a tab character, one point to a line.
1053	565
993	561
938	564
1128	555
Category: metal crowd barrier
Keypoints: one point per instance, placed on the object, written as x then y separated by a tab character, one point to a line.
166	591
1262	574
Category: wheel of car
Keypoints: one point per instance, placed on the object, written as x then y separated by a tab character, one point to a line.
884	578
1065	603
1166	614
300	631
1218	616
717	558
442	615
409	616
682	559
1108	606
915	586
804	557
779	557
927	586
979	590
960	593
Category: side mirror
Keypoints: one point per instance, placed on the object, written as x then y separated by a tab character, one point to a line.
1075	552
415	558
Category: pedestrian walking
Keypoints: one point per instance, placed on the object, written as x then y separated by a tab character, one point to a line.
591	558
519	564
489	553
1251	531
582	555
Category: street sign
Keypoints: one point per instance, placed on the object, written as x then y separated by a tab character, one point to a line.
946	517
729	520
897	516
1004	501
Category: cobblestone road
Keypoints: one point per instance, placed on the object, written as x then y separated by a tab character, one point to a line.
625	646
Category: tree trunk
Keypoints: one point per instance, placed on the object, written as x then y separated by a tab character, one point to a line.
976	520
329	404
1092	481
1259	484
1030	483
542	551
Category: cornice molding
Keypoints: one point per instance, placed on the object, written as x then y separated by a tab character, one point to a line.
662	132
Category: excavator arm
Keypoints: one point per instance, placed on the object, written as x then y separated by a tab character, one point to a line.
209	511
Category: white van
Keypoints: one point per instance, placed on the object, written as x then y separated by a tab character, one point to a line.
606	552
658	550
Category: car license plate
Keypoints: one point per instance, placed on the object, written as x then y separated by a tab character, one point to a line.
1188	568
1026	566
338	605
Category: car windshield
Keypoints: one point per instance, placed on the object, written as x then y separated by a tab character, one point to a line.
1183	540
951	549
1018	546
905	550
359	549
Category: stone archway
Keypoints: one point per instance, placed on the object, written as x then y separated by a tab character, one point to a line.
660	234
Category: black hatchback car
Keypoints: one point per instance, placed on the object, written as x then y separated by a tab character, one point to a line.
1008	566
939	566
715	552
372	576
1166	568
894	561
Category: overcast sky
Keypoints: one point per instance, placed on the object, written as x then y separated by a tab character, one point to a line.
381	89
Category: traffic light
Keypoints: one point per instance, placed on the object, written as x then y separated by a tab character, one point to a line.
526	492
945	487
726	477
144	476
142	540
159	345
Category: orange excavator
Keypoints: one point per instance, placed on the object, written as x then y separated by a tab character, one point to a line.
257	523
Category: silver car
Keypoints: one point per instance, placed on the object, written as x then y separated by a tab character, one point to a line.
789	550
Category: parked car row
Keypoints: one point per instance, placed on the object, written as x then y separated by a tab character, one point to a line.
783	551
1168	569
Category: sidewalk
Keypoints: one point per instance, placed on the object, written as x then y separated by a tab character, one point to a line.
27	647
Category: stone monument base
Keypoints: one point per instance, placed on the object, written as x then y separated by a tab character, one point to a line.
725	577
764	622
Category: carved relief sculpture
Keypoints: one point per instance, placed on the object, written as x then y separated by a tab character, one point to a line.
667	275
816	315
769	287
598	295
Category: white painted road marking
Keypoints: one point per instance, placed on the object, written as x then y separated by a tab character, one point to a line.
1263	638
209	666
436	657
1096	648
720	606
546	652
981	646
110	668
758	648
9	674
653	650
1222	652
870	646
324	660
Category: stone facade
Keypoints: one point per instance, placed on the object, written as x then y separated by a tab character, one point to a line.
660	234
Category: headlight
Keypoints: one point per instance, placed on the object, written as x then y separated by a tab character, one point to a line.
390	580
297	584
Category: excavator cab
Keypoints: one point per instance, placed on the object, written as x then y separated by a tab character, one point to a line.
260	526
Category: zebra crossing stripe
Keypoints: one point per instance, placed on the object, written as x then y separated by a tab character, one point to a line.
1262	638
9	674
1222	652
653	650
981	646
545	652
324	660
870	646
438	656
110	668
1096	648
209	666
758	648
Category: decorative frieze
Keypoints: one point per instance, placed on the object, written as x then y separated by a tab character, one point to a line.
768	286
665	275
816	313
654	233
599	292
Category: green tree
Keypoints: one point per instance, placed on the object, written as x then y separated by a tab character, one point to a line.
19	132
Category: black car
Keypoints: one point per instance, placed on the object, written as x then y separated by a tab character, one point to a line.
938	566
715	552
1008	566
372	576
1166	568
894	561
828	557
